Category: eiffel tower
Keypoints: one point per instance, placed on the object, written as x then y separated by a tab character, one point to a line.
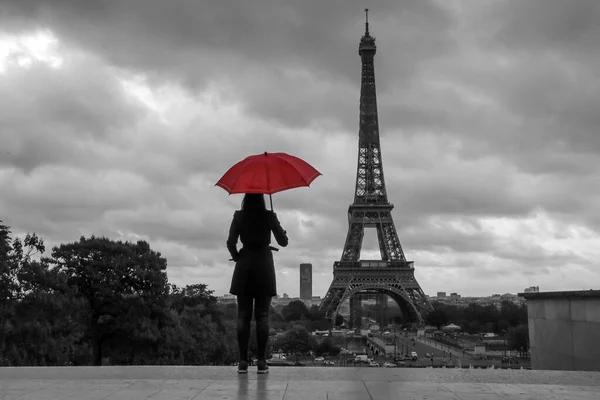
353	279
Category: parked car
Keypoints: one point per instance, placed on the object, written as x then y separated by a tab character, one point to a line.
319	359
361	358
414	356
373	364
278	356
388	364
327	362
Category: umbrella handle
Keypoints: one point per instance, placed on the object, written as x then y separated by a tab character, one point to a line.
271	200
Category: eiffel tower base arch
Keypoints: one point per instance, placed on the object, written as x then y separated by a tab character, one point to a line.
381	303
398	283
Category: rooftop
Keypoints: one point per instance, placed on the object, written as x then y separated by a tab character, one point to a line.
292	383
567	294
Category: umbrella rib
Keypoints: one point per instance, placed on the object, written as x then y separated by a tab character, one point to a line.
313	177
231	189
267	173
308	180
238	177
282	188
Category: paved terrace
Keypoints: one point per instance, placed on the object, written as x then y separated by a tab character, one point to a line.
292	383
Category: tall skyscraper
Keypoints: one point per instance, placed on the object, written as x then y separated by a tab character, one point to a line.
305	281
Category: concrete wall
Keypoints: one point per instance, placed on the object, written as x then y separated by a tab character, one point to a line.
564	330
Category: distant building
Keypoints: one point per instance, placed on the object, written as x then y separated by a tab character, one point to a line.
532	289
454	296
227	298
306	281
280	301
513	298
369	302
441	295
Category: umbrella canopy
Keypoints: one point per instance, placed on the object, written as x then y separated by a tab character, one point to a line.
268	173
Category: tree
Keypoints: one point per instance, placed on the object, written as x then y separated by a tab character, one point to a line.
512	313
501	326
317	320
195	295
437	317
191	296
204	340
229	312
326	346
518	338
46	329
297	340
112	277
23	297
14	254
315	313
295	311
276	320
7	272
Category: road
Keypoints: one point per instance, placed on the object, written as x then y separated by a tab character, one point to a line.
405	345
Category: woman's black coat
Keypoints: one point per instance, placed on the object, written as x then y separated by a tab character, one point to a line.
254	272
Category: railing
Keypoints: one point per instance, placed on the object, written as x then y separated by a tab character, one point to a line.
374	264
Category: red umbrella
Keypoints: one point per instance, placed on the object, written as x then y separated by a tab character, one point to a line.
268	173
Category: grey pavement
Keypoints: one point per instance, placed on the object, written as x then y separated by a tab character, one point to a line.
292	383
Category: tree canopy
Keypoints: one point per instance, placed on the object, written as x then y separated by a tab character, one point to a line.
477	318
98	300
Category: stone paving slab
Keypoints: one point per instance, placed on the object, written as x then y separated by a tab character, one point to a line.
292	383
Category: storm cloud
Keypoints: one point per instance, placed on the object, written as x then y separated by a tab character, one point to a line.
117	118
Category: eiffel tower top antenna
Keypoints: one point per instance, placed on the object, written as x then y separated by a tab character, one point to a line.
366	22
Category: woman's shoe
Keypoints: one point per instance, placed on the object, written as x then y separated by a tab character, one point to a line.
243	367
263	368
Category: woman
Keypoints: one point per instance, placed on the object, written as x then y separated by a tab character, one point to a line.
253	279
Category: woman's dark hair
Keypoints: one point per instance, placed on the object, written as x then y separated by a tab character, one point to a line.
253	202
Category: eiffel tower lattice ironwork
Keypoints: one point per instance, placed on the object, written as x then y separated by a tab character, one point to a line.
392	275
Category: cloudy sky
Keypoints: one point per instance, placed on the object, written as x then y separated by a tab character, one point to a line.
118	117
